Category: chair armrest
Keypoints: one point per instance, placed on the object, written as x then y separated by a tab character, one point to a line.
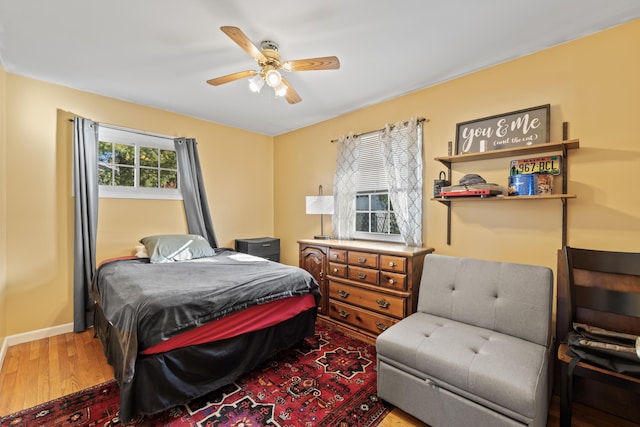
563	348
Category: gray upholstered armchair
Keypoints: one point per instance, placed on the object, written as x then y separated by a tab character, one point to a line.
478	349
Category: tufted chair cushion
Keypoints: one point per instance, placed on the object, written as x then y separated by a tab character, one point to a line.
513	299
498	369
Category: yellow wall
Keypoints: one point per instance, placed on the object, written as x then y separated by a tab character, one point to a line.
593	83
3	213
39	217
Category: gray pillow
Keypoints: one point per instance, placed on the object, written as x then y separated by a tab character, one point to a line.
176	247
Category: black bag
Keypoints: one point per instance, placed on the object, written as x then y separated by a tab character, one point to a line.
611	350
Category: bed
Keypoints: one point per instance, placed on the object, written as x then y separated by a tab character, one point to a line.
177	327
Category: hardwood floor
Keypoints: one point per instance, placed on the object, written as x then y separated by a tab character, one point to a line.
46	369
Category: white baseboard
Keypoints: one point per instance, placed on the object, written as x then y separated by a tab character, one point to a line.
32	336
39	334
3	351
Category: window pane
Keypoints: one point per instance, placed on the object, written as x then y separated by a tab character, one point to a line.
168	179
105	152
149	157
148	178
362	222
380	222
379	202
124	154
362	202
168	159
124	176
105	174
394	225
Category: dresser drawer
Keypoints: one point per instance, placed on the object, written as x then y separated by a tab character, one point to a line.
365	275
337	255
387	304
393	280
393	263
363	259
339	270
360	318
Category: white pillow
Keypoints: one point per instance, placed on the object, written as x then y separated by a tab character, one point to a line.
141	251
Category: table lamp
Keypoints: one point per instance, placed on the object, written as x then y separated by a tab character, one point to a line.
320	205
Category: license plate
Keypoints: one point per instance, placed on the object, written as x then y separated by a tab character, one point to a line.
548	165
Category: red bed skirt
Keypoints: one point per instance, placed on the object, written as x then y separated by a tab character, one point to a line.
248	320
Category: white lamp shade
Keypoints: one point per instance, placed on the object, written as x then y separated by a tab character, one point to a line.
280	90
273	78
255	83
320	205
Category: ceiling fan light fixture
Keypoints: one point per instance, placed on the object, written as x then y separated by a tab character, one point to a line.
255	83
280	90
273	77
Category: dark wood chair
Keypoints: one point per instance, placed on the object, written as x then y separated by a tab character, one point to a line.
603	289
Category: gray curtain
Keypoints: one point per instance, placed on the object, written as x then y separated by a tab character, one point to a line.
345	184
402	152
196	207
85	188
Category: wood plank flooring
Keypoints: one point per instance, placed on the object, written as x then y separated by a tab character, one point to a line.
42	370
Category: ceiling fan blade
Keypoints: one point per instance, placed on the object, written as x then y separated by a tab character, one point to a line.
291	96
323	63
231	77
243	41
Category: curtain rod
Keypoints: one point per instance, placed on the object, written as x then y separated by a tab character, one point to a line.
420	120
140	132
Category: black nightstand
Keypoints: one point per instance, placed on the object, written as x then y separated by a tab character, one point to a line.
265	247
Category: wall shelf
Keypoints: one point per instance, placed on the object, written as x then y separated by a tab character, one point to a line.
548	147
503	198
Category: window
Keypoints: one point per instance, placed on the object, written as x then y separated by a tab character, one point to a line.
378	185
132	164
375	219
374	214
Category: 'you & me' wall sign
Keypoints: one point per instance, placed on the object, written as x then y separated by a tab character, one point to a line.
514	129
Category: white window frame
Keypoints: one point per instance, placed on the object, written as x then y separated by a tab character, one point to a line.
136	138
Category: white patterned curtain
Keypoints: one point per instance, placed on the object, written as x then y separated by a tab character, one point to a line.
402	152
345	183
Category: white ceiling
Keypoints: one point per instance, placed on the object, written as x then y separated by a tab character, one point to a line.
159	53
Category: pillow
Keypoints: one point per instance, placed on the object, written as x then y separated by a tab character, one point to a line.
176	247
141	252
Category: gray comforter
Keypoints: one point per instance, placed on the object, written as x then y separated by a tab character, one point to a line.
149	303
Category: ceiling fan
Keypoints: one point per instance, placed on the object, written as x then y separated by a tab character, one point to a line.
270	65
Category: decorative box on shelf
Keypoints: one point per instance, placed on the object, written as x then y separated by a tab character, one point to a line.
265	247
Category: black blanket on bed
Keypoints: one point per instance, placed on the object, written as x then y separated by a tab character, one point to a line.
149	303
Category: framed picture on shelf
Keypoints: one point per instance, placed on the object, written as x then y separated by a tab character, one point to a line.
514	129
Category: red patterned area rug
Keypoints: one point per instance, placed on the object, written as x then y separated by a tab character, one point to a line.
330	380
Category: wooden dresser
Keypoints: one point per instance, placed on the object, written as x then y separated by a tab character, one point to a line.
366	286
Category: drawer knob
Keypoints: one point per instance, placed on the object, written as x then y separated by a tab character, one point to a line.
382	303
336	256
343	314
392	264
362	260
391	281
381	326
336	269
362	276
343	293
